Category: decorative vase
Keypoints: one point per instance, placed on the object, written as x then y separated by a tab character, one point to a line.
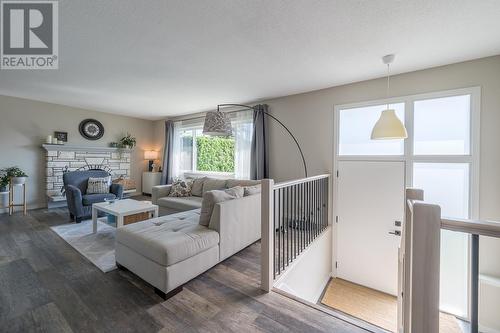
18	180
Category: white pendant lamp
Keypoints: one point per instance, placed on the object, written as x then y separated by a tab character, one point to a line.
388	126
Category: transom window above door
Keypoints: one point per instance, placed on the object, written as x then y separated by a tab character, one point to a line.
356	126
442	126
437	123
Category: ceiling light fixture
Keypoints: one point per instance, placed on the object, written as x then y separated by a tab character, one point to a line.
388	126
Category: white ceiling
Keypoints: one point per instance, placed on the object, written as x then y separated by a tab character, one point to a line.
157	58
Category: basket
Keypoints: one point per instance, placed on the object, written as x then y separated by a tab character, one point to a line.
128	184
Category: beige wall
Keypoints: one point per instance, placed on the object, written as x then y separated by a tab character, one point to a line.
310	117
24	124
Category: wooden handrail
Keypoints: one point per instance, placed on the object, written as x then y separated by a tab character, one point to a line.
468	226
474	227
299	181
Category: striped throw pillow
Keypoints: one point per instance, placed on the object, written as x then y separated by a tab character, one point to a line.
98	185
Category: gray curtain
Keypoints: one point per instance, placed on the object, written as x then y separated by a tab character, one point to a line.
166	175
259	167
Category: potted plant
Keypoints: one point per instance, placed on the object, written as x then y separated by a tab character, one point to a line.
16	175
4	190
128	141
4	183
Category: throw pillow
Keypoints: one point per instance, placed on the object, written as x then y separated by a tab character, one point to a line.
210	198
241	182
180	188
211	184
197	188
251	190
98	185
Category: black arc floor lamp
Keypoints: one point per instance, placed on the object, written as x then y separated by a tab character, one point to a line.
217	123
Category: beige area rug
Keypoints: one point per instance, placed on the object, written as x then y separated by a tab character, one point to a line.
99	248
373	306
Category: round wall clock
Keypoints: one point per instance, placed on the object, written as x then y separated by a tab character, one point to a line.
91	129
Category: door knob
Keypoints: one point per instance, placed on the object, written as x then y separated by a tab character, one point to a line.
395	233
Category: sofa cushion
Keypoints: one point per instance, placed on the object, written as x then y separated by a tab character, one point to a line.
251	190
241	182
89	199
168	239
210	184
210	198
180	203
197	187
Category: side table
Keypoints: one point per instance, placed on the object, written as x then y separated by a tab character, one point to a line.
11	198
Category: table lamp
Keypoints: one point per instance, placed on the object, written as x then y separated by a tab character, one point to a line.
150	155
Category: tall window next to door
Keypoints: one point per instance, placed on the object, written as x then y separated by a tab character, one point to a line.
195	153
442	166
441	157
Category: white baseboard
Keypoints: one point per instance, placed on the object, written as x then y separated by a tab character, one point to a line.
484	329
324	284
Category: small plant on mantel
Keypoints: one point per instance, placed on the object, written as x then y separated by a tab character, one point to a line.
15	174
128	141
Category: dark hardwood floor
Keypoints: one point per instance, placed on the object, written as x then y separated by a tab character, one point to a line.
47	286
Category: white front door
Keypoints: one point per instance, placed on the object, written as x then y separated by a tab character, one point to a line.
370	207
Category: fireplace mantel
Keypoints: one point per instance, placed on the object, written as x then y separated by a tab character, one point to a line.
49	147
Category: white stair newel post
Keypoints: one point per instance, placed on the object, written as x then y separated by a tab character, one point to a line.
267	232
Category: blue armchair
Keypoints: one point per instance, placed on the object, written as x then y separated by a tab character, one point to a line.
79	202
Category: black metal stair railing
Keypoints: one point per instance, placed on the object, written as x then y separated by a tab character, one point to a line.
300	215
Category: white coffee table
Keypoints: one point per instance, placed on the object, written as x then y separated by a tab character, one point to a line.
122	208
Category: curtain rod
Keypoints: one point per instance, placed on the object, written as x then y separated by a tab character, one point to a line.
199	117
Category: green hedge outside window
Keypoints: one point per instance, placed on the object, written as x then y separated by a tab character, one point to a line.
215	154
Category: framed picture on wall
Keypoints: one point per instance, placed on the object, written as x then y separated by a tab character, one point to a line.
63	136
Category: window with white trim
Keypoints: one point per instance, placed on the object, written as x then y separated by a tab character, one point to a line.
195	153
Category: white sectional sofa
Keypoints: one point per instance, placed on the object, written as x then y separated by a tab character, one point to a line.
170	250
171	205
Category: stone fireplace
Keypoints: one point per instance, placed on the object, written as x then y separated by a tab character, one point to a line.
68	157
